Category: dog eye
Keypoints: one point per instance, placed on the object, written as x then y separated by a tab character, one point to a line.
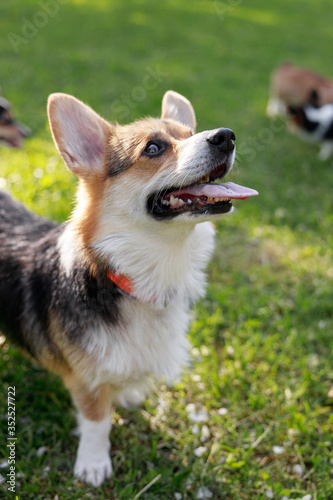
152	149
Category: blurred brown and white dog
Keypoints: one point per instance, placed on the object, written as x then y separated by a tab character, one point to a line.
292	86
103	301
12	132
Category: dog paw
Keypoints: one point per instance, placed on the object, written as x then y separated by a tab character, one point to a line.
93	472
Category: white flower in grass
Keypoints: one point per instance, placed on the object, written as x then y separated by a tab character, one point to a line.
190	407
2	479
41	451
222	411
203	493
198	452
278	450
269	493
196	413
299	470
178	496
195	429
284	498
307	497
196	353
204	350
205	434
46	470
230	350
4	463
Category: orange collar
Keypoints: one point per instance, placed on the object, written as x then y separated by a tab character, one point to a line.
122	282
125	285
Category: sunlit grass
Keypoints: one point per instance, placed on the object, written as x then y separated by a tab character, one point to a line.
262	337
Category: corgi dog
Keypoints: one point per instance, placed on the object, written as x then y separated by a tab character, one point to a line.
103	300
292	86
12	132
313	123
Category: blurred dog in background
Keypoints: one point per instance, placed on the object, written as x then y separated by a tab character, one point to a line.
12	132
293	86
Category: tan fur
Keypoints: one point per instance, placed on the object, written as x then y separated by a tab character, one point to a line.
85	216
12	131
293	85
94	405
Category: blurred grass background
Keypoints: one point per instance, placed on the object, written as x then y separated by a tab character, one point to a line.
263	335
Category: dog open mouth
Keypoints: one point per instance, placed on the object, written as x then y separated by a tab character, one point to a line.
202	197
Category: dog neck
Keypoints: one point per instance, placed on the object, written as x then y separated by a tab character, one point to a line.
160	264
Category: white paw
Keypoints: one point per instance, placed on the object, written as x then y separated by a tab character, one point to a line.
93	471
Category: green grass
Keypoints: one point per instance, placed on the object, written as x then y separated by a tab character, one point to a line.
262	337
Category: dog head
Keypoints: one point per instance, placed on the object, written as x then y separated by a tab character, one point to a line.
150	172
12	132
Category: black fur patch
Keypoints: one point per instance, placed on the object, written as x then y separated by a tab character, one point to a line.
329	132
308	125
32	284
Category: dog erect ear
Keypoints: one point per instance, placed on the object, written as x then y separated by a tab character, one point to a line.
79	133
178	108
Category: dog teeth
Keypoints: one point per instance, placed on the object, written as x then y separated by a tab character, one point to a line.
176	202
217	200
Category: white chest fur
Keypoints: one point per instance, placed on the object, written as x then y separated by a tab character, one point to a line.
147	342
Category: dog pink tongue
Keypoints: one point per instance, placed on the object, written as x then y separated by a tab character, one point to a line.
212	190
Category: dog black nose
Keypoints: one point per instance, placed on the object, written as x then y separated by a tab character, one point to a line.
223	139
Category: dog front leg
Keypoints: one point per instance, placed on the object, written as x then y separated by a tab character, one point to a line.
93	462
